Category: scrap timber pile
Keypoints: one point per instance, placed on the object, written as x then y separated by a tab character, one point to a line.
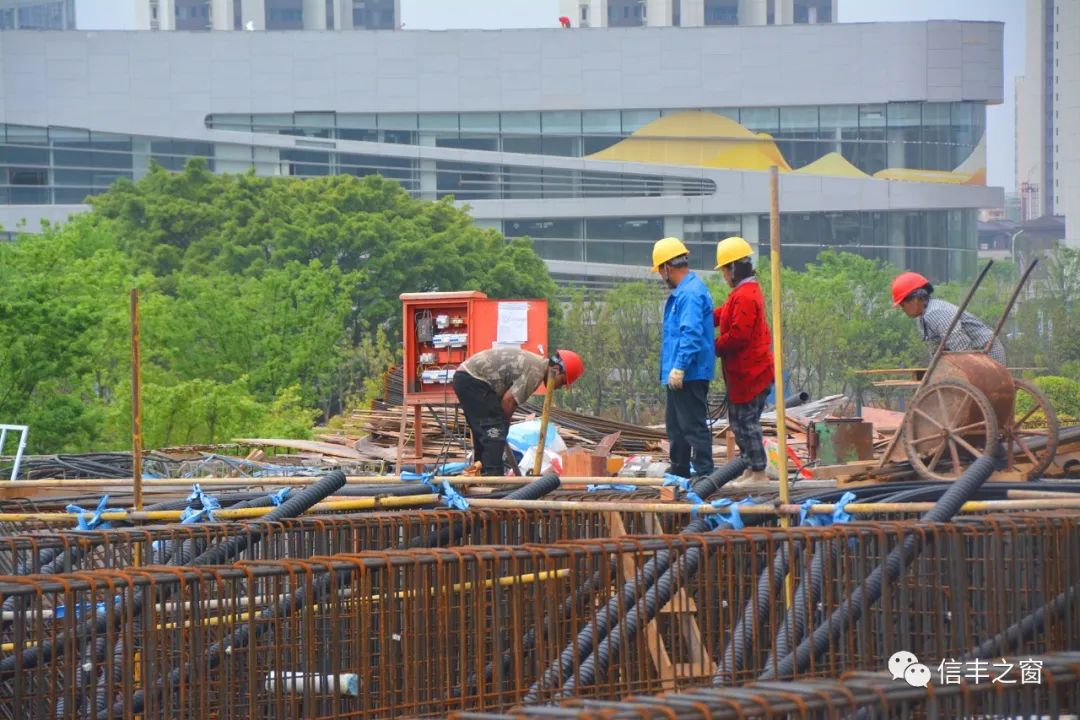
377	431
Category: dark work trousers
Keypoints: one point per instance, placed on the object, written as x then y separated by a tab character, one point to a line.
687	421
745	422
484	414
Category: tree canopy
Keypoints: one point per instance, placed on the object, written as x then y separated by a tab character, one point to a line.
265	302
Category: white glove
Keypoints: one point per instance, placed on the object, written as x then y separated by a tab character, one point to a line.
675	378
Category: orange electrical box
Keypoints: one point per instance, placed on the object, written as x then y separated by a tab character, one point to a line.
441	330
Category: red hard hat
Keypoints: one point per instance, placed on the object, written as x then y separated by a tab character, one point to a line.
905	284
571	363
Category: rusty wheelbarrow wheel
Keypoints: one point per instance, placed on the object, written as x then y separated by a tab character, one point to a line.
1032	432
950	425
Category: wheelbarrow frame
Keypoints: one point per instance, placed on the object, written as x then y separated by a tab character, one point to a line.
966	401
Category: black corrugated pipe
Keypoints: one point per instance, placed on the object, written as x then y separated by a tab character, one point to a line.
533	491
720	477
869	591
800	398
227	500
1025	629
768	586
640	615
217	555
241	637
528	641
60	563
597	629
793	626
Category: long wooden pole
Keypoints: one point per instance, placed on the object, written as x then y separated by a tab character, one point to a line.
332	506
765	509
538	463
136	403
778	358
276	481
778	330
1009	305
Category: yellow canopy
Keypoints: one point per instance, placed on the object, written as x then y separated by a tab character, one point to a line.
698	139
832	164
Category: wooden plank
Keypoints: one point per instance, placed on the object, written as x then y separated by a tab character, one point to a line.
890	371
856	467
1035	494
312	446
653	641
896	383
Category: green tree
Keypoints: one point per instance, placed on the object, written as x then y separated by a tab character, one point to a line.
63	299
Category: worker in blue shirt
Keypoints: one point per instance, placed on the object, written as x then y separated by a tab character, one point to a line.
687	359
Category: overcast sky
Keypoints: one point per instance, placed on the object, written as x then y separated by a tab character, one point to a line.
448	14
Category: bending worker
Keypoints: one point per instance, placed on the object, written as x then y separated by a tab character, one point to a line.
687	363
744	346
914	295
490	386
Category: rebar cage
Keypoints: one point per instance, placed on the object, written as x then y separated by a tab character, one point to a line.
425	632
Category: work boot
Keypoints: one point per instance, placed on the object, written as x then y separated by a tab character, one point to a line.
750	478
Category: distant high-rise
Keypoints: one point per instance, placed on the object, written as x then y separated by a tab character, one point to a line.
1048	115
696	13
209	15
37	14
273	14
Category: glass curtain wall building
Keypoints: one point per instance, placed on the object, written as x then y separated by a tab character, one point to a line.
593	176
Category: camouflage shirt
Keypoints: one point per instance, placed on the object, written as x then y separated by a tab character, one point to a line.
518	371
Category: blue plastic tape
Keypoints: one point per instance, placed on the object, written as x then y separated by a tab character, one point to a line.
611	486
94	523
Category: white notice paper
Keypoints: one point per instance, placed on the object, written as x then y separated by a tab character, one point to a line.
513	327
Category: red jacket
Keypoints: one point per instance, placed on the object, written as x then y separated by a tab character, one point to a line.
744	343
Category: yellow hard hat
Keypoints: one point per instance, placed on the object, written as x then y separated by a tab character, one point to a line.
667	249
731	249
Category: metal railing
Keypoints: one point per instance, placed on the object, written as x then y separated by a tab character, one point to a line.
19	449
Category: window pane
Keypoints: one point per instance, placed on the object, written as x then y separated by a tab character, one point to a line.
271	122
635	119
521	123
839	116
480	122
904	115
397	121
440	121
356	120
872	116
543	228
799	118
760	119
732	113
560	123
230	122
624	228
601	121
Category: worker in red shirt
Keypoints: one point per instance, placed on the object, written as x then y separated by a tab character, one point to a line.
744	346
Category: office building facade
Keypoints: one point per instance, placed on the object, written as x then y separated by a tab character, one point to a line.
196	15
592	143
37	14
1048	115
695	13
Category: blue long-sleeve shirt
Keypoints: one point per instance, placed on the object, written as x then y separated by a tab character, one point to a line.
688	332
